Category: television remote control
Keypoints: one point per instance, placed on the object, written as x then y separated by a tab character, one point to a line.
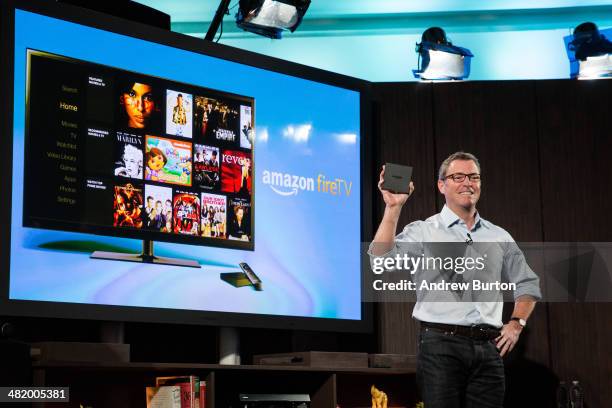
251	276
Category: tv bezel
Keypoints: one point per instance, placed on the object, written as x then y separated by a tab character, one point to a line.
116	25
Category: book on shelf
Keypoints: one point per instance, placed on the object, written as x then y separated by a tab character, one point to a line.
190	388
202	394
168	396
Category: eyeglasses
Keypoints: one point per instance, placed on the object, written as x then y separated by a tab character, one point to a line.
460	177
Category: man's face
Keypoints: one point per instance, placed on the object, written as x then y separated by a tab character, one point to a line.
462	194
139	105
150	203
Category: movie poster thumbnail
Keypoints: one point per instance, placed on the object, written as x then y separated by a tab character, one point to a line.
168	161
127	206
128	155
178	113
214	216
186	213
158	208
239	217
201	114
206	166
246	127
140	106
219	119
236	172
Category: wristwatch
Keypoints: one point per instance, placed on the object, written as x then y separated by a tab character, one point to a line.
520	321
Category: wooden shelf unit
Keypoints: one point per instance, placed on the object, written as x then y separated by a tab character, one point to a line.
118	384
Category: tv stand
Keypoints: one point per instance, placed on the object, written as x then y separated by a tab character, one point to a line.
112	332
121	384
146	256
229	346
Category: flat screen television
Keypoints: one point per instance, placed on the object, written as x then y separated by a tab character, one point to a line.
121	136
137	156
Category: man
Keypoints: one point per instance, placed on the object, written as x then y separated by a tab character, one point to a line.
179	113
168	208
158	218
149	208
198	116
213	121
461	343
177	122
214	161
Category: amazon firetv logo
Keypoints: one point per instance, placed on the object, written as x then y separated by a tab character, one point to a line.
286	184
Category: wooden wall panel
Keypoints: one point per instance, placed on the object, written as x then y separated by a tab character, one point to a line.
496	121
576	145
403	134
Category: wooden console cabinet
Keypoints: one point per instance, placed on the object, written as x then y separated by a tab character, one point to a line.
101	385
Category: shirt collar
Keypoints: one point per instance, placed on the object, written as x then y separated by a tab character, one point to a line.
450	218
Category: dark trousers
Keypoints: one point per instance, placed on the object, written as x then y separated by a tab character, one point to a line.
459	372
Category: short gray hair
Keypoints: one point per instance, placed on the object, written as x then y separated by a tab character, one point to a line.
456	156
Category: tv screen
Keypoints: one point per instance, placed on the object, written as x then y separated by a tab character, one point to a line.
127	137
127	154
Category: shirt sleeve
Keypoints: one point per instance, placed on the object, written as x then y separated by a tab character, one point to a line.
516	270
412	233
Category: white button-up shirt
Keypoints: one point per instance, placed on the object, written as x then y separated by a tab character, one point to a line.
504	260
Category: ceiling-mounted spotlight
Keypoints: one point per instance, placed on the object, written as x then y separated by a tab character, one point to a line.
439	59
271	17
589	52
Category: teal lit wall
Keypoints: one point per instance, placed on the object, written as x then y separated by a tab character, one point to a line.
375	40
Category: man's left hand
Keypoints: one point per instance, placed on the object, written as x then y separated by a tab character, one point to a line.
510	333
